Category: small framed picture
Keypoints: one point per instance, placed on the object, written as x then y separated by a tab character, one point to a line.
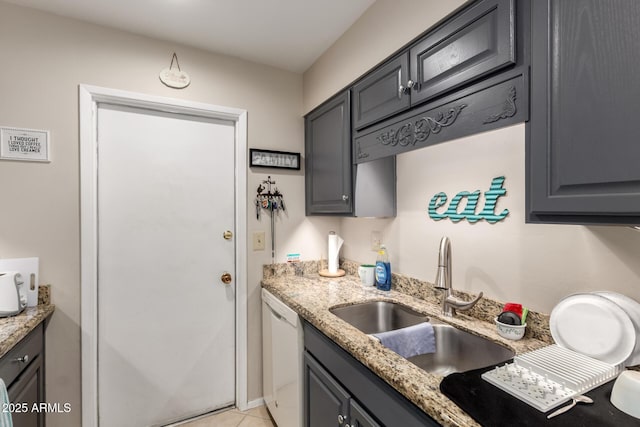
274	159
24	144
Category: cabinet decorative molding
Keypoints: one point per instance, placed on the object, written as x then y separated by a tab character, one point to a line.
462	114
361	154
509	109
421	129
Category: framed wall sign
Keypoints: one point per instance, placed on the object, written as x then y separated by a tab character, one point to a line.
24	144
274	159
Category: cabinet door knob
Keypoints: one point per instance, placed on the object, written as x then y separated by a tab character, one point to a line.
340	418
23	359
401	91
406	89
345	197
227	235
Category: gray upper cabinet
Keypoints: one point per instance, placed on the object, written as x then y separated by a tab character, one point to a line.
582	140
328	174
382	93
474	43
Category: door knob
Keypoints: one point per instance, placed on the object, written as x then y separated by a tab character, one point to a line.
227	235
226	278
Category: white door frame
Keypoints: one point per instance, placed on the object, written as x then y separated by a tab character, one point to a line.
90	96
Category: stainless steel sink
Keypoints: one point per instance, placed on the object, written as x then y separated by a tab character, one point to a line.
456	350
460	351
379	316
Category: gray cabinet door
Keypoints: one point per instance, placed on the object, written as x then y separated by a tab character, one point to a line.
582	140
377	401
328	173
473	44
382	93
27	391
326	403
359	417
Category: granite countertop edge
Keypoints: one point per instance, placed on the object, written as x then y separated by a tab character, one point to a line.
13	329
311	296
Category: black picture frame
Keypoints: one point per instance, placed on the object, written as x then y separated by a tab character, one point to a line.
274	159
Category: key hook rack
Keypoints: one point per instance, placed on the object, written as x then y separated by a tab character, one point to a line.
272	201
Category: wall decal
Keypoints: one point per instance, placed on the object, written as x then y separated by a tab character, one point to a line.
469	212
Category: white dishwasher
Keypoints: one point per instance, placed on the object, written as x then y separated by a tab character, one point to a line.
282	347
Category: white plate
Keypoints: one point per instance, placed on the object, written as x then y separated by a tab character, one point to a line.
594	326
632	308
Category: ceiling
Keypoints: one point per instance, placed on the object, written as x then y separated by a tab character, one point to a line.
288	34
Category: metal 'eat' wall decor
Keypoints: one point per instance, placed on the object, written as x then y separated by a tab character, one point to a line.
469	212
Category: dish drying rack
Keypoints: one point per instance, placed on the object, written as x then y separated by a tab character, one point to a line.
550	376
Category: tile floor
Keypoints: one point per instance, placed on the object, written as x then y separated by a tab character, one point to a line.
256	417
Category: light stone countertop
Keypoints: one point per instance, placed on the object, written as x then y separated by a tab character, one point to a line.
312	295
15	328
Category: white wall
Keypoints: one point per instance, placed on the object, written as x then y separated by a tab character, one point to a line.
385	27
509	260
45	58
534	264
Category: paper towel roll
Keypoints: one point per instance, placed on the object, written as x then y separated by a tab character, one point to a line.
334	244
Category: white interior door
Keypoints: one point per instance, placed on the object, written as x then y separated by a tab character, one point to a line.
166	332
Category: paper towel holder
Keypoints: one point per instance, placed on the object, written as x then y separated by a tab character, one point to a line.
334	243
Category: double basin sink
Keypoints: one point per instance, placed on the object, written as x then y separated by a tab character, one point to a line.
456	350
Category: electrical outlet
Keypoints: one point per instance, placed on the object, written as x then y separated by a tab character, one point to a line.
376	237
258	241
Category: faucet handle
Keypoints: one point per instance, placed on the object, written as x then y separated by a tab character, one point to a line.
462	305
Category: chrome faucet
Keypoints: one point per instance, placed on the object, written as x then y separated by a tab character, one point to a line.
443	282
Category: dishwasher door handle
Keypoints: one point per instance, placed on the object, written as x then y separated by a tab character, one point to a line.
276	314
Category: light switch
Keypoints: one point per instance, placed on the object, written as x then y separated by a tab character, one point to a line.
258	241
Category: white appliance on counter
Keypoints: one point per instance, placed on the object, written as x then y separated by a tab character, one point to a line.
28	268
282	348
13	296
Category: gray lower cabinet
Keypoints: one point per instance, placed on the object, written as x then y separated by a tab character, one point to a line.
582	139
359	417
341	391
327	403
328	171
22	370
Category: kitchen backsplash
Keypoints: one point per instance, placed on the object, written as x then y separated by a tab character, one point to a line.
44	294
486	309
